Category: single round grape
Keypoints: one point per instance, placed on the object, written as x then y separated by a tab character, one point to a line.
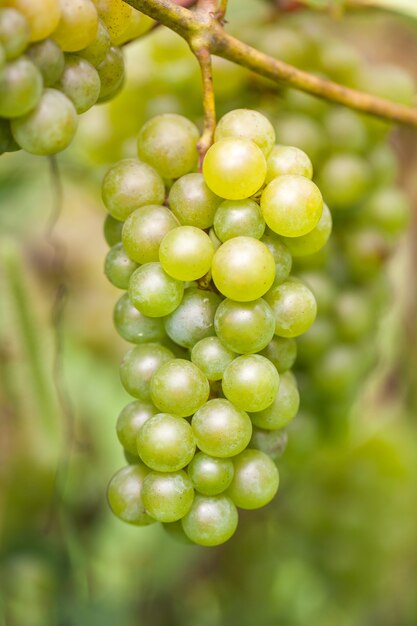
20	88
96	51
294	308
122	20
124	494
234	168
168	142
244	327
186	253
345	130
111	71
14	32
143	231
302	131
247	124
135	327
282	352
283	409
210	476
236	218
255	481
138	25
387	208
7	142
78	24
130	421
282	256
153	292
139	365
243	269
220	429
344	179
129	185
167	497
42	16
354	315
212	357
112	230
49	59
193	203
271	442
178	387
313	241
211	521
166	443
250	382
291	205
285	160
193	319
118	267
79	82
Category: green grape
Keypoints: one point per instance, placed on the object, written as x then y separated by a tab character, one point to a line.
42	16
49	59
384	164
282	256
236	218
178	387
284	160
285	43
135	327
220	429
211	521
212	357
294	308
234	168
50	127
389	81
139	365
247	124
317	339
153	292
345	130
387	208
79	82
338	370
112	230
210	476
168	142
271	442
322	287
244	327
306	103
111	71
243	269
77	27
7	142
282	352
250	382
193	319
313	241
354	315
303	132
166	443
125	495
186	253
344	179
96	52
14	32
167	497
283	409
129	185
124	22
20	88
118	267
143	231
291	205
130	421
255	481
193	203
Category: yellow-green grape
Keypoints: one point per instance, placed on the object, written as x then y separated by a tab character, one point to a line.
282	352
211	521
138	25
294	308
285	160
139	365
78	24
283	409
387	208
178	387
299	130
271	442
20	88
112	73
48	58
96	52
143	231
282	256
118	267
247	124
168	142
166	443
236	218
243	269
345	130
7	142
255	481
153	292
250	382
193	203
129	185
42	15
167	496
209	475
130	421
186	253
135	327
234	168
80	83
354	315
50	127
221	429
193	319
14	32
124	494
212	357
244	327
313	241
344	179
291	205
123	21
112	230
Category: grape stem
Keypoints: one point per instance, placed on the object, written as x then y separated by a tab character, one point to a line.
204	58
204	26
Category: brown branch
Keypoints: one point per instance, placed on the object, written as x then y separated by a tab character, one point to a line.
204	58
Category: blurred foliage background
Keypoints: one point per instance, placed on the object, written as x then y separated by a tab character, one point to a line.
338	545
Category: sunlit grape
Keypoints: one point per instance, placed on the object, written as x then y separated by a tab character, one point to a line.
287	160
78	23
42	15
294	308
14	32
178	387
244	327
153	292
313	241
212	357
250	382
255	481
167	496
166	443
247	124
211	521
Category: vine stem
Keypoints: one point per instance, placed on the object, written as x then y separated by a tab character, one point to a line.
204	25
209	105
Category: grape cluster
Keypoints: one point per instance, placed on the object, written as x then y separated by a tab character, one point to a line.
57	59
213	311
